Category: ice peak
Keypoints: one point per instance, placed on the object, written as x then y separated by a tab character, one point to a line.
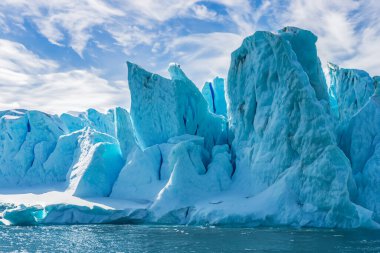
176	73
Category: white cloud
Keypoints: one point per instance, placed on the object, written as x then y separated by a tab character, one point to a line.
54	18
203	56
27	81
348	31
202	12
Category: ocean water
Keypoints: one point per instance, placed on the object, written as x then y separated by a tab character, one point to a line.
141	238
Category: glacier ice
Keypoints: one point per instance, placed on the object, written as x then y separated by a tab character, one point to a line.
303	45
282	133
176	107
350	90
42	149
355	97
214	94
96	163
91	118
26	140
116	122
139	179
275	146
360	140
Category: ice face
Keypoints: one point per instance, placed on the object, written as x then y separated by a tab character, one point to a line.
92	163
171	162
124	131
163	108
116	122
213	92
303	45
103	123
360	141
351	89
139	179
195	175
153	106
36	149
26	140
283	137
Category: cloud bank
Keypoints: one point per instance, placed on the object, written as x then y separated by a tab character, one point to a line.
62	55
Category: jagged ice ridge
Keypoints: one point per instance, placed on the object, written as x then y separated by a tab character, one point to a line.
273	145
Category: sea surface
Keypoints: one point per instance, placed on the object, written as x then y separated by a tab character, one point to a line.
141	238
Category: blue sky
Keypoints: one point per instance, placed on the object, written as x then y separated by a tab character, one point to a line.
65	55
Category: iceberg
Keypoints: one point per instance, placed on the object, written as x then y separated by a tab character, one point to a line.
274	146
284	141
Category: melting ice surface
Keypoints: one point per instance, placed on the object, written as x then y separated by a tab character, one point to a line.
272	145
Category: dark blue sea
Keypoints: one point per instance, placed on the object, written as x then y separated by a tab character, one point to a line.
141	238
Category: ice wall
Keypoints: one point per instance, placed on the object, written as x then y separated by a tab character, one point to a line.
361	143
350	90
163	108
26	140
284	140
303	45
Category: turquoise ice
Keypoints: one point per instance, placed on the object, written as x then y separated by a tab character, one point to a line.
271	146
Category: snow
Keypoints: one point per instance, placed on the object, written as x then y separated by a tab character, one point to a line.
274	146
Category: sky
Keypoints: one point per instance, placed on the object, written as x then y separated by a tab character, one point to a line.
65	55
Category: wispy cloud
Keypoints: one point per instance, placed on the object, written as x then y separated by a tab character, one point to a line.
199	35
27	81
55	18
203	56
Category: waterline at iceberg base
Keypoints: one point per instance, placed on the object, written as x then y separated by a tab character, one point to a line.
273	145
